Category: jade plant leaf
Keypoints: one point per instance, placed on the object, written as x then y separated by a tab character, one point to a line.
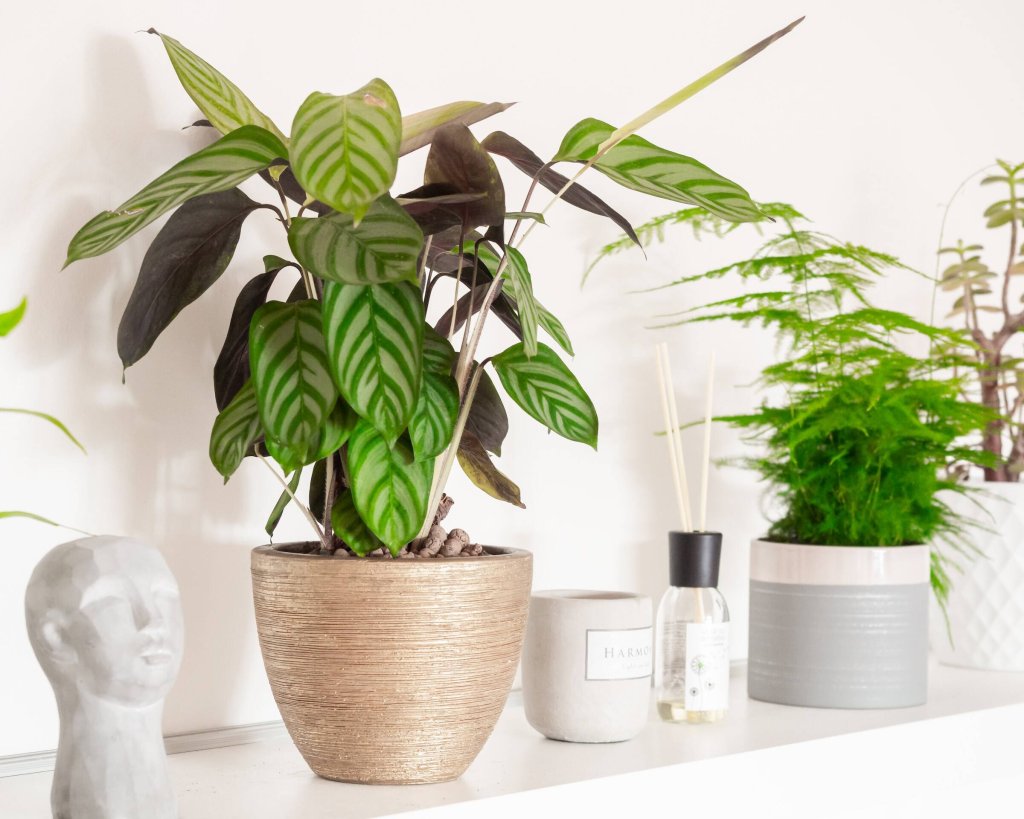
374	340
223	102
389	487
487	419
350	527
282	503
231	370
219	167
12	318
383	247
433	420
546	390
293	384
458	161
528	162
642	166
188	255
477	465
419	129
344	149
236	429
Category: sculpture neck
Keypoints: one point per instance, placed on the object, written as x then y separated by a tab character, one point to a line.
110	759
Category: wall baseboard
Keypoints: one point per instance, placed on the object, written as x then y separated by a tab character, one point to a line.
42	761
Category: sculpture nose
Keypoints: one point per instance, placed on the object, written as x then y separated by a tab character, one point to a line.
147	616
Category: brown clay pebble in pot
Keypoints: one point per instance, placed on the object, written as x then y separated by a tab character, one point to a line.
452	546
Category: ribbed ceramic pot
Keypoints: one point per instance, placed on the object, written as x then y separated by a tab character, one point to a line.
838	626
390	671
986	601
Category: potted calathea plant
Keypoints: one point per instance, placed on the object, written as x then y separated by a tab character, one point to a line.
854	434
393	668
986	603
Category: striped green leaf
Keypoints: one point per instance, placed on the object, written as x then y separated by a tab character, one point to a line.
12	318
221	166
294	389
336	431
389	487
289	458
554	328
642	166
374	337
344	149
350	527
545	388
220	100
383	247
519	278
433	421
438	354
282	503
236	429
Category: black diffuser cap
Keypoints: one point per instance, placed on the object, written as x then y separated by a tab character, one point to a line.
694	558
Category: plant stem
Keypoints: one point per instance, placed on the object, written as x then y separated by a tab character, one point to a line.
329	490
302	507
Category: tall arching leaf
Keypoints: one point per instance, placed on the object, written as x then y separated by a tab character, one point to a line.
282	503
459	162
223	102
344	150
383	247
433	421
438	354
483	473
294	389
227	162
642	166
522	293
236	429
231	370
374	340
350	527
188	255
418	129
545	388
389	487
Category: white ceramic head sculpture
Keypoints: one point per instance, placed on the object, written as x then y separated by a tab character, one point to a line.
104	619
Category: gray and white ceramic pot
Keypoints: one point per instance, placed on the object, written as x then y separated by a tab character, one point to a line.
839	626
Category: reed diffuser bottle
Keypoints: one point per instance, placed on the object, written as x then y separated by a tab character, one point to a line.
692	642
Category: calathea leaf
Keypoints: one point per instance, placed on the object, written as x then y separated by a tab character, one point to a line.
545	388
457	160
374	337
188	255
336	431
477	465
219	167
554	328
223	102
521	282
383	247
317	488
471	303
289	458
642	166
282	503
344	150
434	207
433	421
487	419
236	429
532	165
438	354
467	305
350	527
292	189
293	384
389	487
232	368
12	318
418	129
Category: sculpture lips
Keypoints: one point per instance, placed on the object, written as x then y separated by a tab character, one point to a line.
157	656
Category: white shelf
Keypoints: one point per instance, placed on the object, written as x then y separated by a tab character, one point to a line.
776	760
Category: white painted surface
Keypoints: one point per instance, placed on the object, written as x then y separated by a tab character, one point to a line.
866	117
792	762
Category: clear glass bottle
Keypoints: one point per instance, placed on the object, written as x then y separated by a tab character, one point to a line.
692	643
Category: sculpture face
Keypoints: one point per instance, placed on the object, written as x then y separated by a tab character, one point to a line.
104	617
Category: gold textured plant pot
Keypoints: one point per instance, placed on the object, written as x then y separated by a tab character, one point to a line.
390	671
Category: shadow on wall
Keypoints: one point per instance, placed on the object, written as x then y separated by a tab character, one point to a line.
148	437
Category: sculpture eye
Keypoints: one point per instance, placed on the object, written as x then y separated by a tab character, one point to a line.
166	590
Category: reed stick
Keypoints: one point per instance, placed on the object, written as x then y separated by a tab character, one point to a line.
677	437
670	436
705	466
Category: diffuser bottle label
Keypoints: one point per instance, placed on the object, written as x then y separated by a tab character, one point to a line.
619	654
707	666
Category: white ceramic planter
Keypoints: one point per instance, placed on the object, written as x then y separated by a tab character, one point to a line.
839	626
587	665
986	603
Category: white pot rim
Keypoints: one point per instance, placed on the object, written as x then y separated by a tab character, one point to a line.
586	595
801	563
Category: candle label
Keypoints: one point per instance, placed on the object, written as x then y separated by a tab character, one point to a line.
707	666
620	654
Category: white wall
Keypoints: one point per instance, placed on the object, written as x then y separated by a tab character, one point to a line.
867	117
